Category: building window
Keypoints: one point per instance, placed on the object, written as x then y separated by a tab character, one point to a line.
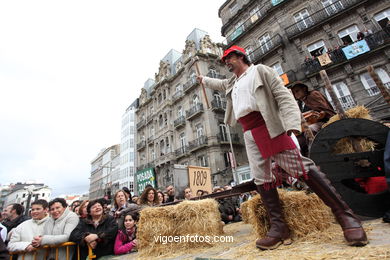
332	6
265	43
348	35
195	100
317	48
226	159
160	120
179	88
382	18
182	138
249	51
222	130
43	194
213	73
199	131
179	111
203	161
278	68
303	19
343	94
233	8
369	83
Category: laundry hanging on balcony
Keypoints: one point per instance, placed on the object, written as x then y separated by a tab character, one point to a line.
356	49
324	59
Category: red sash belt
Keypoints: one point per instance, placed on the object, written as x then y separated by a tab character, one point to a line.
267	146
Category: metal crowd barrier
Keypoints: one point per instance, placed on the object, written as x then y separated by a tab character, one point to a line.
56	247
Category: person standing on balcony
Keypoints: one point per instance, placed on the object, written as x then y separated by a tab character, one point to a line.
266	109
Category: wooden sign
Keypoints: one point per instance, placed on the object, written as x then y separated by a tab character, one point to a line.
199	179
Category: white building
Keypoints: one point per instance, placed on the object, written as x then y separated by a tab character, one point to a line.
20	194
125	176
102	167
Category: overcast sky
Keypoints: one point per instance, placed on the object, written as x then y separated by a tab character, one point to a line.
68	71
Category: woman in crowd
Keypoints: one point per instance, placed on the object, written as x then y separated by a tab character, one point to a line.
58	227
125	241
83	209
98	231
120	203
149	197
161	199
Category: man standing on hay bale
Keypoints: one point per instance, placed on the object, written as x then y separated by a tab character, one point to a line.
269	114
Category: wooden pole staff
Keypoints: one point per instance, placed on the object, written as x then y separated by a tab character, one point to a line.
203	88
340	110
385	93
333	96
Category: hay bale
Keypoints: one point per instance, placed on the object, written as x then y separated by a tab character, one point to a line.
191	218
344	145
355	112
245	212
304	213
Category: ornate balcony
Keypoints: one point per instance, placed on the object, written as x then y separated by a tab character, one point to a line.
164	158
177	95
182	151
224	138
218	105
149	119
215	75
249	23
374	41
141	123
190	84
180	121
321	16
150	140
198	143
194	111
141	145
263	50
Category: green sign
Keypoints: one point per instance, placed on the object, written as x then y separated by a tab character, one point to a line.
145	177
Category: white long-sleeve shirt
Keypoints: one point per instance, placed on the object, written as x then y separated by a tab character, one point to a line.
244	100
23	234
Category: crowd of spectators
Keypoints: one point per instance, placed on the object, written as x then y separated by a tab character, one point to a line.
108	228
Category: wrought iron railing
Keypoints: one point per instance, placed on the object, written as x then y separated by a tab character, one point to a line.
265	48
374	41
189	84
182	151
223	137
218	104
194	110
198	142
179	121
328	12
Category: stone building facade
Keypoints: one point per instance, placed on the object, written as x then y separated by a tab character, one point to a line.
174	126
298	38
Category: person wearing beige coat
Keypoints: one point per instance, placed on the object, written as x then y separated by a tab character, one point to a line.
257	98
57	228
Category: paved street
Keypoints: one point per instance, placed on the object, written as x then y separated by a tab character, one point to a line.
326	245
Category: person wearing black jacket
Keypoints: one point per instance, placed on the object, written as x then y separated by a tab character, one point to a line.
3	249
98	231
14	216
